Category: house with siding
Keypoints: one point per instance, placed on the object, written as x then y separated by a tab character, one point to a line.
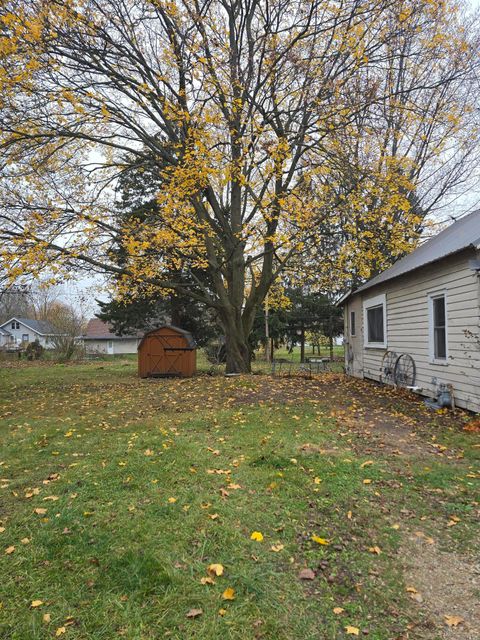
99	338
423	310
17	332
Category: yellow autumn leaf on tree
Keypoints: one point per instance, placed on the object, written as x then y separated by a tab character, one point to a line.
256	535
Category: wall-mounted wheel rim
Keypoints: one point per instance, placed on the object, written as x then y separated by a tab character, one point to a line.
387	370
405	371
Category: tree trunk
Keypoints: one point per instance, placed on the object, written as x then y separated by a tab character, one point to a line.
302	344
238	353
238	356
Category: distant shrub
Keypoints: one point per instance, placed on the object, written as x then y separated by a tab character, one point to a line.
34	350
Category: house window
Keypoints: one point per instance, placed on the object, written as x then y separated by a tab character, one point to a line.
375	322
15	325
352	323
438	328
25	337
110	344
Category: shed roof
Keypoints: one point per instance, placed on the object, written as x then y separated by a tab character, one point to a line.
188	336
99	330
42	327
464	233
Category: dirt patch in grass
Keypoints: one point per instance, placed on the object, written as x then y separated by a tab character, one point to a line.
389	421
447	588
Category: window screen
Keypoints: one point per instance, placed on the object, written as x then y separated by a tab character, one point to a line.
375	324
439	328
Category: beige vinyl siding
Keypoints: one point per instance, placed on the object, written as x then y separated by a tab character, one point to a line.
408	326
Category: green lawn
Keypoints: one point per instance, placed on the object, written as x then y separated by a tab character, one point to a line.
117	494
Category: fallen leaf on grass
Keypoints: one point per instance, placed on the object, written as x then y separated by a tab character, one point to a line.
366	464
215	569
194	613
375	550
222	612
352	631
207	580
60	631
277	547
172	500
32	492
2	529
46	618
320	540
306	574
229	594
453	621
338	610
367	481
36	603
256	535
25	540
40	511
9	550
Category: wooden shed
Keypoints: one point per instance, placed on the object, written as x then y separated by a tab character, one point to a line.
166	351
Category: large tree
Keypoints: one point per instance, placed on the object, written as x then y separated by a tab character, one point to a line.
261	120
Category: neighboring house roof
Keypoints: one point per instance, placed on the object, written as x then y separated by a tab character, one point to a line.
462	234
99	330
4	332
42	327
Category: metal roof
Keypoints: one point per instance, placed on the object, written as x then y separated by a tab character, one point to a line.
41	327
464	233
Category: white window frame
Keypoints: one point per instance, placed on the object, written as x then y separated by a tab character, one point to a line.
431	334
377	301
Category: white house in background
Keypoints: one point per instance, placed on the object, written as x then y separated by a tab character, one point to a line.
18	331
4	337
427	306
99	338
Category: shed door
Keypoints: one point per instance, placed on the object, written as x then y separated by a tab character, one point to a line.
166	352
